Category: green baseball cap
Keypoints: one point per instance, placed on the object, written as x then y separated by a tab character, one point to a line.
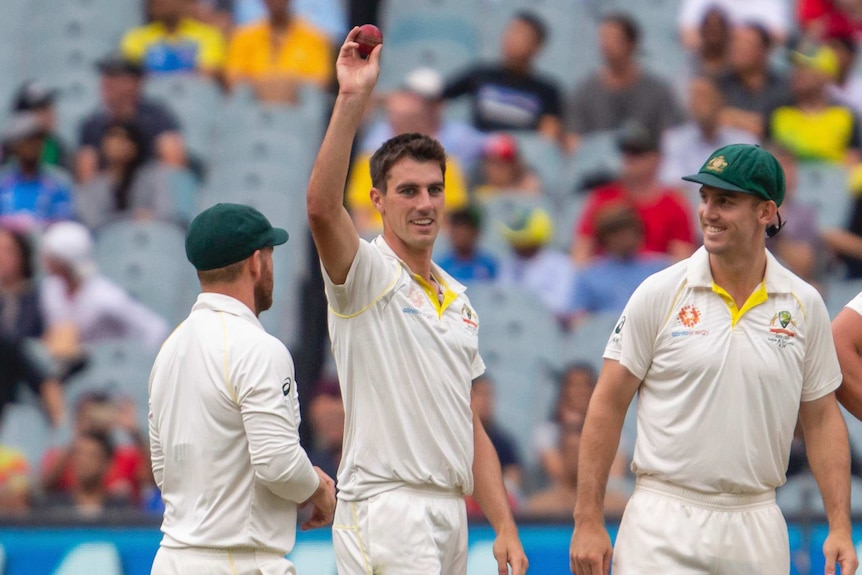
743	168
228	233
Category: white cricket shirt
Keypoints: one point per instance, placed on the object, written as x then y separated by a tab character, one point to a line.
856	303
721	387
224	417
405	363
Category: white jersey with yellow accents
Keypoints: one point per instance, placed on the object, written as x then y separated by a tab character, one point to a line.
722	386
405	361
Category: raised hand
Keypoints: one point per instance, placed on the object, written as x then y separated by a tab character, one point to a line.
356	75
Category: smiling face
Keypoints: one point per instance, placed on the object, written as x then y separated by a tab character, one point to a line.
733	223
411	205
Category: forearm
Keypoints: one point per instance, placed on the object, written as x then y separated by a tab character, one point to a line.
828	451
600	440
53	401
845	328
489	491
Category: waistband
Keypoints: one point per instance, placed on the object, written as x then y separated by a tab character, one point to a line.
223	552
720	501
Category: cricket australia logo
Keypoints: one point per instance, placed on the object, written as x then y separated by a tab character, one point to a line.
782	328
717	164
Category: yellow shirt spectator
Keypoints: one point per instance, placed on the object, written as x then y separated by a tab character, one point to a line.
301	52
367	219
192	46
826	135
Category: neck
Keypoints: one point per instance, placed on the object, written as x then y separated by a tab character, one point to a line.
739	274
417	259
172	23
279	20
708	129
813	101
239	291
753	79
28	168
520	68
622	72
640	187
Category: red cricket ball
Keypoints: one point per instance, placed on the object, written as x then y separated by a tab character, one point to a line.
369	36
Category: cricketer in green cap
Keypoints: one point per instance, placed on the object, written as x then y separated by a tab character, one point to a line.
743	168
229	233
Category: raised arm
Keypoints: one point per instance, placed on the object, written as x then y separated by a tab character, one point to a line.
590	551
331	227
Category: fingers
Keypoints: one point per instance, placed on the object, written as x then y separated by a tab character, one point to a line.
831	554
502	564
519	565
848	565
374	57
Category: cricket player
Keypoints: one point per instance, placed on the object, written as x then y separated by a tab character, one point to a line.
405	340
847	332
725	350
224	415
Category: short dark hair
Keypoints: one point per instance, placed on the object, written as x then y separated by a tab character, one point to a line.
412	145
535	22
762	33
103	439
627	24
25	251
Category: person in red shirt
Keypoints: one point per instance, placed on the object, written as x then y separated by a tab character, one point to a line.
665	213
129	473
822	19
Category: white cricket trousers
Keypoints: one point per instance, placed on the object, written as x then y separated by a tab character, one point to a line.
406	531
194	560
670	529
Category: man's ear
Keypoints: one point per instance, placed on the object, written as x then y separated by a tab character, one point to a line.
255	264
377	199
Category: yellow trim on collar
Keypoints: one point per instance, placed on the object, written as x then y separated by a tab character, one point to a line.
756	298
448	295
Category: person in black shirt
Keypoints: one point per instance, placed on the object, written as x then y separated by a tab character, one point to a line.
510	95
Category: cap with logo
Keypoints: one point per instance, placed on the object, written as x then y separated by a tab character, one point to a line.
34	95
820	58
744	168
532	227
228	233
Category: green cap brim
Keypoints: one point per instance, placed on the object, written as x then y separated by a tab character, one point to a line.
714	181
279	236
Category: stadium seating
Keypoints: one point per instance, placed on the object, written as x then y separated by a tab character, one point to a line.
839	292
195	100
824	185
26	428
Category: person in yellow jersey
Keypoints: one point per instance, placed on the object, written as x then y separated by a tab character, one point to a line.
224	415
725	349
405	340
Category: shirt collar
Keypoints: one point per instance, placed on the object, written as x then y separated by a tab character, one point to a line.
777	279
440	273
227	304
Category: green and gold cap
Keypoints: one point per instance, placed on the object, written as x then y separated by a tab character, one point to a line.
228	233
743	168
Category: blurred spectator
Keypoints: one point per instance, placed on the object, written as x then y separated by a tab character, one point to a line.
751	88
278	53
684	147
17	366
123	100
127	471
847	87
846	243
33	96
821	19
504	170
811	126
569	411
14	481
482	403
798	244
606	284
32	193
558	500
74	295
326	413
534	265
665	213
216	13
90	457
126	185
620	91
174	41
712	52
511	95
771	15
20	315
417	106
466	261
326	15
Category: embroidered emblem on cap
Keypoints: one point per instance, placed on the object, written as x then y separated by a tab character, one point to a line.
717	164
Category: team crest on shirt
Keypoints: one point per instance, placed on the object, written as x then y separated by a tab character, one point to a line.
689	317
469	319
782	329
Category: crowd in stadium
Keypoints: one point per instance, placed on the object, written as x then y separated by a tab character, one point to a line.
565	188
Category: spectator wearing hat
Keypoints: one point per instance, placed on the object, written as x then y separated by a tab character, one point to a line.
607	283
510	94
534	265
174	41
121	86
83	305
665	213
811	126
278	53
847	87
771	15
751	88
504	170
32	193
821	19
34	96
466	261
621	90
417	106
